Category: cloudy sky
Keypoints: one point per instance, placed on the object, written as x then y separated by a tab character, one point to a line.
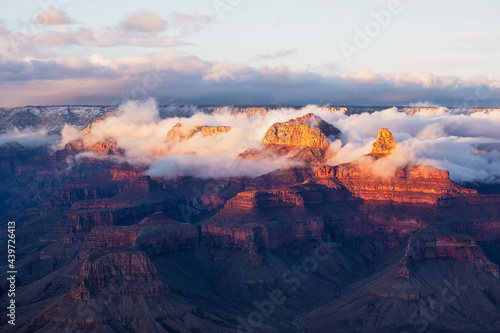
364	52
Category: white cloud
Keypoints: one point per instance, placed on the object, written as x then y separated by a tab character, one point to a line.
28	137
53	16
189	24
425	104
227	71
144	21
104	37
286	53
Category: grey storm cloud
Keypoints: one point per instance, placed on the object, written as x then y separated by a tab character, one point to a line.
14	70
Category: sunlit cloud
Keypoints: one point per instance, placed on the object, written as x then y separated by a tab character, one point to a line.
105	37
144	21
53	16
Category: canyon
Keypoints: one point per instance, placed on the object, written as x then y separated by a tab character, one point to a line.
105	247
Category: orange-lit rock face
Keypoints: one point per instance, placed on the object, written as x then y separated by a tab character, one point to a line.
124	174
385	143
266	199
295	135
106	147
309	131
415	184
302	139
179	133
244	223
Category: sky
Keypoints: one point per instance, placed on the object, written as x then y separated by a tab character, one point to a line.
364	52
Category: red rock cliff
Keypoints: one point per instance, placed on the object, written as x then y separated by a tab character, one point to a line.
413	183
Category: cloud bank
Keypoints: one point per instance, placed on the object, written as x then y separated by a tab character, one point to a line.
467	145
176	77
28	137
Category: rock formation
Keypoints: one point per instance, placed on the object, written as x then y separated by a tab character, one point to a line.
180	133
249	111
104	148
416	109
118	273
303	139
384	145
155	235
309	131
412	183
84	142
425	246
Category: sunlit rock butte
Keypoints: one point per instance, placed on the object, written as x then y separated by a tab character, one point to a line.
309	131
305	139
385	143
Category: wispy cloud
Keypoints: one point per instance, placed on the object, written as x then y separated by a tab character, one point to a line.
277	55
104	37
53	16
189	24
142	29
480	40
181	24
144	21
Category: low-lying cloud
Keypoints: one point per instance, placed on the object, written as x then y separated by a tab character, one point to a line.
465	144
138	129
28	137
